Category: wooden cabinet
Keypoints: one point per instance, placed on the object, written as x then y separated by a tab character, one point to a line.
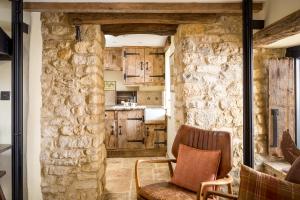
143	65
155	136
131	129
113	59
154	66
111	140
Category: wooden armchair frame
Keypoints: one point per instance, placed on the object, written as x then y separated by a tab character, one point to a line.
226	181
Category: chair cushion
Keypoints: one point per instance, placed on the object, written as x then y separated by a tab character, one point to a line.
260	186
165	191
195	166
294	172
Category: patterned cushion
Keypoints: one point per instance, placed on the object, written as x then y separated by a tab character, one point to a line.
259	186
165	191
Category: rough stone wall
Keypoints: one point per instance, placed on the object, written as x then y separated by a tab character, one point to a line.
208	86
261	100
72	150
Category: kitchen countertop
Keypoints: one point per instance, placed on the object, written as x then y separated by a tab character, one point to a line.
125	107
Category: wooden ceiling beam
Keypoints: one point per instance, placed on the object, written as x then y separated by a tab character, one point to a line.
140	18
123	29
138	7
285	27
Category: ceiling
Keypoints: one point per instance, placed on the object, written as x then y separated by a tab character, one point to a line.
135	40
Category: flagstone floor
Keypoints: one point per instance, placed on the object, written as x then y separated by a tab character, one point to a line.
120	177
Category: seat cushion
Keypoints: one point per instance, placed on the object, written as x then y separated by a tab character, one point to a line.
165	191
260	186
294	172
195	166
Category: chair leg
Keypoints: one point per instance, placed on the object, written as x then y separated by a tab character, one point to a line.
2	197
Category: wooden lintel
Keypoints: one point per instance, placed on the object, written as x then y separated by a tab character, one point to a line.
287	26
140	18
122	29
138	7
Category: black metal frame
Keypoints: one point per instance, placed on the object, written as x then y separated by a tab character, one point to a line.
17	100
248	153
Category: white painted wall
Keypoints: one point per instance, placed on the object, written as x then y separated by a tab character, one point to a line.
277	9
34	113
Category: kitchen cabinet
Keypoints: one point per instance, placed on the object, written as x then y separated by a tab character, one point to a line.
113	59
143	65
155	136
131	129
154	66
111	140
133	65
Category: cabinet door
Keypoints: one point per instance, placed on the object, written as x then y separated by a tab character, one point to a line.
111	140
156	136
154	66
131	129
113	59
133	65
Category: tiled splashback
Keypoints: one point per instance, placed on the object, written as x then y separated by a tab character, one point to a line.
149	98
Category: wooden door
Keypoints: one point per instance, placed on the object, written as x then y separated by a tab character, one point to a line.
156	136
131	129
154	66
133	65
113	59
281	102
111	141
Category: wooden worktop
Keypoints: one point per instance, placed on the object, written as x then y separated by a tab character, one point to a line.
4	147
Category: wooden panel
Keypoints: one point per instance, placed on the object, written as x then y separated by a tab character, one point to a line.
123	29
133	65
287	26
140	18
113	59
156	136
154	66
138	7
111	140
131	129
281	97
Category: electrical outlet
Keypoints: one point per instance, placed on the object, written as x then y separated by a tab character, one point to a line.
5	95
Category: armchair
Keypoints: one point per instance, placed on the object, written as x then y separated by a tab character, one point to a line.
196	138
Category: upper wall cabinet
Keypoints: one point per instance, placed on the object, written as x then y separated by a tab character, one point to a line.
113	59
143	65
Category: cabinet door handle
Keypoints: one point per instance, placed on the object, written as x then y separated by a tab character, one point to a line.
147	68
112	130
142	140
142	66
120	131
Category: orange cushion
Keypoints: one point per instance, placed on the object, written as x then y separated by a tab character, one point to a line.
195	166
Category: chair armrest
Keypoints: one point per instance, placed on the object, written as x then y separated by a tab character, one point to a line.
219	182
138	162
209	194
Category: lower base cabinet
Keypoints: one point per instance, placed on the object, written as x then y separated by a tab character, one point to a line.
126	131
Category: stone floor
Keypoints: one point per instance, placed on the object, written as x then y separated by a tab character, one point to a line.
120	177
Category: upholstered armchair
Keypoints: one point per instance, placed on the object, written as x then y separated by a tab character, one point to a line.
196	138
259	186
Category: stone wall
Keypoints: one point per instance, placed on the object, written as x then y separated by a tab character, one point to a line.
208	82
261	99
208	85
72	150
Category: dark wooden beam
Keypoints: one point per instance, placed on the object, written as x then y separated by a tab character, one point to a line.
140	18
287	26
258	24
138	7
122	29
